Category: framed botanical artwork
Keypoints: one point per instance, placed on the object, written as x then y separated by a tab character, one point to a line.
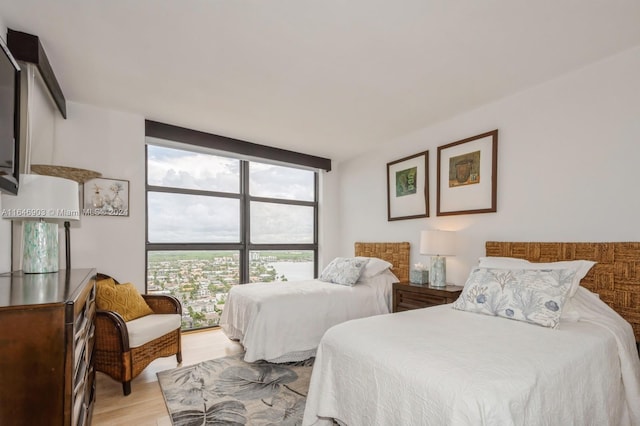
408	187
106	197
467	175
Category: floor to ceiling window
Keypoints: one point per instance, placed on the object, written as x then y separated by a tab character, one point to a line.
217	219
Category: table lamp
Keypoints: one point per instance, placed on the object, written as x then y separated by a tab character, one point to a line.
438	244
42	203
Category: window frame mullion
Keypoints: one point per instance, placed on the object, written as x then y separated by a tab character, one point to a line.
245	221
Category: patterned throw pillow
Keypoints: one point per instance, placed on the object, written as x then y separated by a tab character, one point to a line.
343	270
121	298
535	296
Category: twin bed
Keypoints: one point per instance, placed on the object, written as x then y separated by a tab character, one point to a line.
284	322
451	366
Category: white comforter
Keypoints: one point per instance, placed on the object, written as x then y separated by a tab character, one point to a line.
282	322
439	366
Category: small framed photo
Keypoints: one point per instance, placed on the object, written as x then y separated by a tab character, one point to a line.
467	175
106	197
408	187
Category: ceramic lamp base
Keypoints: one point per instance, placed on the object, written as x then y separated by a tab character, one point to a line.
438	272
40	245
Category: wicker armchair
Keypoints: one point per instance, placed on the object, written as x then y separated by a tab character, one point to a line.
113	354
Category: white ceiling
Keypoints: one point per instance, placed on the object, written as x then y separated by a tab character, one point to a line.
328	77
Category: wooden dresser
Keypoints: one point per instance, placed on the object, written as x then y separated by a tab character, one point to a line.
46	348
408	296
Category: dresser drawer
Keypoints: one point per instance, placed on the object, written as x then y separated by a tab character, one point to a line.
83	373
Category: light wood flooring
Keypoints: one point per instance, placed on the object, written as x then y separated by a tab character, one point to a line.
145	405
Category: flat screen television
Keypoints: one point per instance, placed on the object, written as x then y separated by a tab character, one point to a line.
9	121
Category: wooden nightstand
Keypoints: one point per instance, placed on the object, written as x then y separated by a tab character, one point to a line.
408	296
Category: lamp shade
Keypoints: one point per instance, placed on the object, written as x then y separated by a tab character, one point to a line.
40	201
43	197
438	243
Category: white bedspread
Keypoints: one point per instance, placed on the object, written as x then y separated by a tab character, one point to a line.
282	322
439	366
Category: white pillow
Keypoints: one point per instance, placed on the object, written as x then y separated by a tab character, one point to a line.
501	262
385	278
343	270
581	267
374	266
536	296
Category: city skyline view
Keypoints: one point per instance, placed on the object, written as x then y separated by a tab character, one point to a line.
201	280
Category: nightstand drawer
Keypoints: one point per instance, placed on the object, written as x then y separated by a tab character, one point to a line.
407	296
409	300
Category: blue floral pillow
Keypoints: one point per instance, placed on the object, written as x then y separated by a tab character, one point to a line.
535	296
343	270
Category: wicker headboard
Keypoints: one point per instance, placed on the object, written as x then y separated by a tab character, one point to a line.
395	253
616	276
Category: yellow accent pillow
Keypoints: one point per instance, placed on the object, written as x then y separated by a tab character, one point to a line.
121	298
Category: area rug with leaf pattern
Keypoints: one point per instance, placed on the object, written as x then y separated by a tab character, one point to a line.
230	391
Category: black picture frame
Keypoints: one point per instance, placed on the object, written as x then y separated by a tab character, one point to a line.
106	197
468	175
408	187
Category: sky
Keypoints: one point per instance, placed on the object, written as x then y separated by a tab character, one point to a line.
200	218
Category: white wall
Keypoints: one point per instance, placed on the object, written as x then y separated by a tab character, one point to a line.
38	126
329	220
568	156
112	143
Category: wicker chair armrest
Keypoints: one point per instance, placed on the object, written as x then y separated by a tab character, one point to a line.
163	304
111	331
101	276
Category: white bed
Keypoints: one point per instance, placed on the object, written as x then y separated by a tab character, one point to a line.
284	321
440	366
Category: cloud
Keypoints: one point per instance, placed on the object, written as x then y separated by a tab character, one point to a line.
196	218
268	180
